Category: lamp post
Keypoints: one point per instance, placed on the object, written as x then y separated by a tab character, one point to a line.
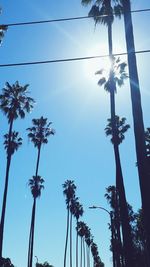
111	227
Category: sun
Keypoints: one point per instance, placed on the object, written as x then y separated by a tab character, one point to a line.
91	66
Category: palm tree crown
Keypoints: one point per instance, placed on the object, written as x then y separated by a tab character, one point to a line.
36	185
14	101
103	11
69	190
121	128
40	131
118	70
15	142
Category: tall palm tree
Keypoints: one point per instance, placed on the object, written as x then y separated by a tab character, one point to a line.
36	185
103	12
143	170
69	192
38	134
121	128
14	103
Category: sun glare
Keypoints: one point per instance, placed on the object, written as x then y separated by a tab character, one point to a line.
91	66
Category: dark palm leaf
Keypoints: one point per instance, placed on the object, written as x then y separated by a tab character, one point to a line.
14	101
121	128
13	144
36	185
40	131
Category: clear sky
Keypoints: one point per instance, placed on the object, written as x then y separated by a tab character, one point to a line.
68	95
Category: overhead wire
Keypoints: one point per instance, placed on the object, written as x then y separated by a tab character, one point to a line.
68	59
65	19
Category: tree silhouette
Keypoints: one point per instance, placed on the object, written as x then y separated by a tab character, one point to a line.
38	134
121	128
143	170
116	240
69	192
36	185
14	103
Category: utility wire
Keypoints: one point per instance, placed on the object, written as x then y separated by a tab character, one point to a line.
68	59
65	19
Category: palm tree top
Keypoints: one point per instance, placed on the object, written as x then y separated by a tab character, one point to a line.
69	190
36	185
40	131
14	101
103	11
13	144
121	128
118	70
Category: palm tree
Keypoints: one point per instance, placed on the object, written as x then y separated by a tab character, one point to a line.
77	212
14	103
36	185
143	170
116	240
81	228
38	134
72	208
121	128
69	192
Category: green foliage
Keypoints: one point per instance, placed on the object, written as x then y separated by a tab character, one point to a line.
118	70
14	101
14	143
40	131
103	11
36	185
121	128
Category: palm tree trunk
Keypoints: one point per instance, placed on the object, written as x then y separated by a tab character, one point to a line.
84	257
67	233
81	252
71	240
4	205
119	177
5	189
77	241
32	233
119	253
31	237
138	120
126	229
38	160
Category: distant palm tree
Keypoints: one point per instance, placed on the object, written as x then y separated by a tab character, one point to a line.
121	128
38	134
69	192
116	240
81	227
14	103
36	185
77	212
72	211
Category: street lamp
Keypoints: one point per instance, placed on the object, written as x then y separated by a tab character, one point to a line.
111	226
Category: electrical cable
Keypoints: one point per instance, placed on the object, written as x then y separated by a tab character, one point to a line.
68	59
64	19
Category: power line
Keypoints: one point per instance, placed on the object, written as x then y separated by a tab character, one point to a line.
65	19
67	59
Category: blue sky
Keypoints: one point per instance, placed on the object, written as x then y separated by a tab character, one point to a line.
68	95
